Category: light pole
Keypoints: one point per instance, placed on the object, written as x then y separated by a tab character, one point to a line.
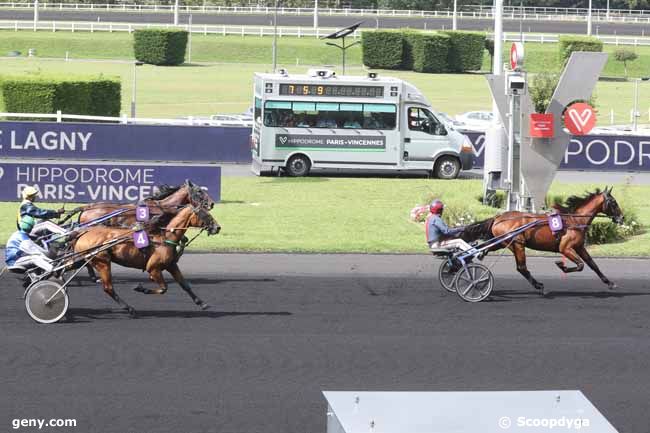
635	113
35	14
135	82
275	36
176	13
454	19
589	17
607	13
315	14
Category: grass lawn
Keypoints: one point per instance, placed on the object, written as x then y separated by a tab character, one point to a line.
363	215
227	88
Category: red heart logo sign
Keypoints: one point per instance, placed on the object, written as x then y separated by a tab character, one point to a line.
580	118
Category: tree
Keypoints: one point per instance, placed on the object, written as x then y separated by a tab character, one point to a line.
624	55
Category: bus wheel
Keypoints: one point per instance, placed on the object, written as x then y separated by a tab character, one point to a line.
298	166
447	167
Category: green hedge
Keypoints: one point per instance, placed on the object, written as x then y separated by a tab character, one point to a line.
430	52
160	46
568	44
382	49
466	51
86	96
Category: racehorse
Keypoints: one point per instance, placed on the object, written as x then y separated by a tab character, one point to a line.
167	202
163	205
158	257
577	214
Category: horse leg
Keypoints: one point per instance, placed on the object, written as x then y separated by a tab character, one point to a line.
180	279
104	269
155	275
519	250
584	254
92	275
570	254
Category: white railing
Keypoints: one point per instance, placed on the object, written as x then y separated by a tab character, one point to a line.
124	119
484	12
91	26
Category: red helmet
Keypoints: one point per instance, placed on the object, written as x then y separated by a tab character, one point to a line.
436	207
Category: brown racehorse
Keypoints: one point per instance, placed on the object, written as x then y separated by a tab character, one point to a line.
163	205
577	215
158	257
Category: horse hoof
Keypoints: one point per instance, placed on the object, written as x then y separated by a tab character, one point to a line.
612	286
540	287
140	288
97	280
132	313
204	306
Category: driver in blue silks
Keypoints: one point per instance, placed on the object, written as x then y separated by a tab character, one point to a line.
437	229
29	209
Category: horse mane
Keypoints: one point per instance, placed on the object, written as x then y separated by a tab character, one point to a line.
572	203
164	191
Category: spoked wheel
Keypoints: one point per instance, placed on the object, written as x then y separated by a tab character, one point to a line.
474	283
46	301
446	274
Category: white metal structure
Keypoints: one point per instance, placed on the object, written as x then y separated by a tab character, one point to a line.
321	120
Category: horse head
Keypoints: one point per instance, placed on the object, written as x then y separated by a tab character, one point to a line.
198	196
201	218
610	206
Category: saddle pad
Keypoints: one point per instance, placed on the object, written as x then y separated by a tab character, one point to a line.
555	223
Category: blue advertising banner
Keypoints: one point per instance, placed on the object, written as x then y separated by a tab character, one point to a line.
592	152
88	183
90	141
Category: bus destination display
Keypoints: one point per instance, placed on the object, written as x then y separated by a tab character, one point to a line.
331	90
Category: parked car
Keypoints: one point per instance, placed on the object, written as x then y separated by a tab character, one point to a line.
476	120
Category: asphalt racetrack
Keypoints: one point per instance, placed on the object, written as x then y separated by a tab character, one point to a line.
528	25
282	328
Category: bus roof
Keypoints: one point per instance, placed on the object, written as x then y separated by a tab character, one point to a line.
326	75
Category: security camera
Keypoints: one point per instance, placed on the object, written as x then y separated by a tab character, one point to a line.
516	85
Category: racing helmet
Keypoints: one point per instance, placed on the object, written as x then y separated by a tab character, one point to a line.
29	192
436	207
27	223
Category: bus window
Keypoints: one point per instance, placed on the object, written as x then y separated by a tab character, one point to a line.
420	119
330	115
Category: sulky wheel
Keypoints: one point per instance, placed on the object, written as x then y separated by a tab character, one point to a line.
446	274
474	283
46	301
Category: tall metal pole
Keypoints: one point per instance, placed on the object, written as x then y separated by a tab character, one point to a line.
589	19
315	14
135	80
454	19
635	114
275	36
35	14
607	13
189	40
176	13
498	41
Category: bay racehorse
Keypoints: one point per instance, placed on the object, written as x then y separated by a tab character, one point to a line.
577	214
163	206
159	256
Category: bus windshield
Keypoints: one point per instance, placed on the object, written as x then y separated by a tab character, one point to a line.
331	115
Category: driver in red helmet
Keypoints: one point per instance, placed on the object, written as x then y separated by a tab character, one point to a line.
438	233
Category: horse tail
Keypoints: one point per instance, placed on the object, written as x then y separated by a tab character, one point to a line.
480	230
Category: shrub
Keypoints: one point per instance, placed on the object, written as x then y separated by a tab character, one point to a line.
625	55
160	46
568	44
466	51
382	49
82	95
409	38
430	52
541	90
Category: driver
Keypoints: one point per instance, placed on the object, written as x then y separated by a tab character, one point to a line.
28	208
437	230
22	253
